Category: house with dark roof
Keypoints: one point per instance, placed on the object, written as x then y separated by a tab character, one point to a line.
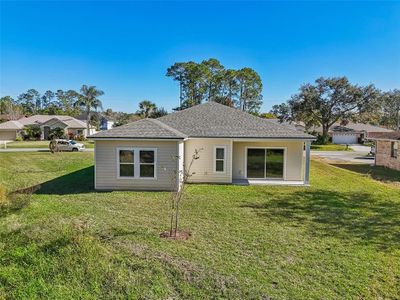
234	148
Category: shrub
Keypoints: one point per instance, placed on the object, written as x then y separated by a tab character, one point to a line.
32	132
322	140
56	133
80	137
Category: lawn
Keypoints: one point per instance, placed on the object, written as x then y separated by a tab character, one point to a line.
337	239
330	147
39	144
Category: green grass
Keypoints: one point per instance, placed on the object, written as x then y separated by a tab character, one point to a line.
39	144
337	239
380	173
330	147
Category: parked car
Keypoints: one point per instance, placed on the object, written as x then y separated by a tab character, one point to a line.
66	145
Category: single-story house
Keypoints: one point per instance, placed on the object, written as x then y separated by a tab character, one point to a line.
235	148
105	122
387	149
351	133
10	130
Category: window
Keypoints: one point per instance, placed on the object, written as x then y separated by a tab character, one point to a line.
266	163
126	163
219	161
394	149
147	163
137	163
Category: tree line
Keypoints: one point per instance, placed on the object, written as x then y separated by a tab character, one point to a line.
73	103
211	81
334	99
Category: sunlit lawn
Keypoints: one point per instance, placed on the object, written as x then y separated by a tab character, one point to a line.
38	144
337	239
330	147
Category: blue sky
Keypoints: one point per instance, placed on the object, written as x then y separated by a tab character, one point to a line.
124	48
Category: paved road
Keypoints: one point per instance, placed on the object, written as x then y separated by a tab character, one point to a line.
34	150
356	157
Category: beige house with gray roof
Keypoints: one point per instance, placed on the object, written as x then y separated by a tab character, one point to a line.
10	130
235	148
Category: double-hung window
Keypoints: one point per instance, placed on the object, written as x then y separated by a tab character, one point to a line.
136	163
394	149
219	159
147	163
126	162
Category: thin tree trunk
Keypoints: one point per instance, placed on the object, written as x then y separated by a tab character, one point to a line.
325	130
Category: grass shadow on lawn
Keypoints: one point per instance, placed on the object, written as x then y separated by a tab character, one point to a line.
81	181
376	172
349	216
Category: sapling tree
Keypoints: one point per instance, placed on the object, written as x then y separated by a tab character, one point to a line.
179	180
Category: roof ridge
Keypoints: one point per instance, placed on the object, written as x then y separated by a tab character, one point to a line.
165	126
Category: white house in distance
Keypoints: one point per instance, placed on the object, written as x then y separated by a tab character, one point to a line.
236	148
10	130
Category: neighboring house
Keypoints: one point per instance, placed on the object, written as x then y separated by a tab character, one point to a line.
12	129
387	149
351	133
236	147
105	122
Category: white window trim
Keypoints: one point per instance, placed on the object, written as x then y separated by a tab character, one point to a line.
136	163
266	148
215	159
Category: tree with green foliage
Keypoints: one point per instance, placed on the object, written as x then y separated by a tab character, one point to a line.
250	88
56	133
30	101
33	132
146	108
88	99
268	115
326	102
66	101
391	109
10	108
213	78
159	112
210	81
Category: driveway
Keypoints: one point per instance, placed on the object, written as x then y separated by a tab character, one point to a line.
358	156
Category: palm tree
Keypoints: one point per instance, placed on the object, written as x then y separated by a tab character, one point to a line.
87	99
146	108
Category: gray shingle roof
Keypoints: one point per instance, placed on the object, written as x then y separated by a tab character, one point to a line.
209	120
143	129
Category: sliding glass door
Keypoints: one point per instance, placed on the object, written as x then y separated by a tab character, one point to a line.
265	163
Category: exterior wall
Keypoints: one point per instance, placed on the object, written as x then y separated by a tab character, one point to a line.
8	135
294	169
203	168
106	167
383	155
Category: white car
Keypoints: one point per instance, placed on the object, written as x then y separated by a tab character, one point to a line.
66	145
